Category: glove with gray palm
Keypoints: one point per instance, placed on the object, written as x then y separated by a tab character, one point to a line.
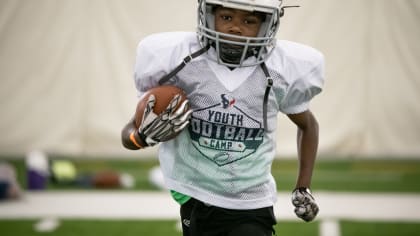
305	205
165	126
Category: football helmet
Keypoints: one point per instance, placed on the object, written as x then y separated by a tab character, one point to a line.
242	51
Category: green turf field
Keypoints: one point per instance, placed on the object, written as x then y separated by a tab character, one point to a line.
169	228
331	175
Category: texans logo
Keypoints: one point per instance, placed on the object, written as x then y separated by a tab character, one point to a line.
227	101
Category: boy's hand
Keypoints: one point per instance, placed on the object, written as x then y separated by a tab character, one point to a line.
304	202
157	128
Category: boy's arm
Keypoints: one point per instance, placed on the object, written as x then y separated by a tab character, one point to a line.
128	133
307	143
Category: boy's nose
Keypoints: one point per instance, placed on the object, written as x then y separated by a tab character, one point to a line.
235	30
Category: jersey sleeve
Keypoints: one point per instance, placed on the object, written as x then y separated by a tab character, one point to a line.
148	67
157	55
302	89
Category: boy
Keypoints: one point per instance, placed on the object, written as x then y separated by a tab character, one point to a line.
237	78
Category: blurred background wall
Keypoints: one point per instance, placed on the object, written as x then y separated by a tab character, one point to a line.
66	73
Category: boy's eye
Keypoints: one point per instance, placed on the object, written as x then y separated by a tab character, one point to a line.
251	20
226	17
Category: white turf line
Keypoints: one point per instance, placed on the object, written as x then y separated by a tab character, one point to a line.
159	205
329	227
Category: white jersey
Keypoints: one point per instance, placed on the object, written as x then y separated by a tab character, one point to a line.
224	156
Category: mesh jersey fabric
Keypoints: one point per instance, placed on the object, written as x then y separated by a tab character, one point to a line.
224	156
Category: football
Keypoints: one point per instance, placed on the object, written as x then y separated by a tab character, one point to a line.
163	95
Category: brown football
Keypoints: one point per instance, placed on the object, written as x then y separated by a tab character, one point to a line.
163	95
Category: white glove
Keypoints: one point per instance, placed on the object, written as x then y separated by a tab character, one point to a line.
157	128
304	202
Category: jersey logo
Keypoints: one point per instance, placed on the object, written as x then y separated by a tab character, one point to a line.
223	133
227	101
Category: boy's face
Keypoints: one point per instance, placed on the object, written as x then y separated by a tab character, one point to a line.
237	22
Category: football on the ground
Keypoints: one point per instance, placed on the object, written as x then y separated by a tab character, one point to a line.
163	95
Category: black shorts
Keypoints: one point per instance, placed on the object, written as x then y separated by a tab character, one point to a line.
199	219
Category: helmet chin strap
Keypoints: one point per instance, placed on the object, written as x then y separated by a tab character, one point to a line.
232	53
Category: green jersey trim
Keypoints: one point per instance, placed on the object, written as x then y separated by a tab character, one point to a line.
179	197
